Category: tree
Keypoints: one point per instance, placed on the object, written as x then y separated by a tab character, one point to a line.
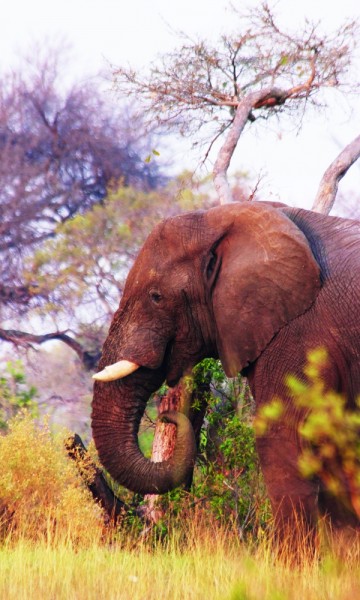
329	183
61	150
260	71
80	271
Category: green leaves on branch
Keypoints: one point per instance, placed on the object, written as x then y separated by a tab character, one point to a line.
329	428
267	414
15	394
228	473
86	263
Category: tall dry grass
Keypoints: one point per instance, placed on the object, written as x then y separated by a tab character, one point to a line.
42	497
53	544
211	565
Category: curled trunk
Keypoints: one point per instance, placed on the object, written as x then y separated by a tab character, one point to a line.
117	409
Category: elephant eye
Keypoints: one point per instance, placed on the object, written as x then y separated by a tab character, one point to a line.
155	296
211	265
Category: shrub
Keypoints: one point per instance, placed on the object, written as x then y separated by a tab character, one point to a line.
15	394
332	432
42	495
330	429
228	487
228	473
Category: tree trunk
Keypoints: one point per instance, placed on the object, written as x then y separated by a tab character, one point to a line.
184	398
93	477
328	188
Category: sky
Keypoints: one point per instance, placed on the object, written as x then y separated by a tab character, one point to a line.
104	32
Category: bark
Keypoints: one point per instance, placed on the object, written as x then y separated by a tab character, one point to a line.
113	507
162	449
266	98
194	403
329	184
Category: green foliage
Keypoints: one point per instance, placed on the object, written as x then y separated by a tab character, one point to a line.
228	473
87	261
267	414
15	395
329	428
228	488
227	482
147	426
332	432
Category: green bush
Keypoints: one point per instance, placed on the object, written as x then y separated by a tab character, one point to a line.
332	433
228	487
329	427
15	394
228	473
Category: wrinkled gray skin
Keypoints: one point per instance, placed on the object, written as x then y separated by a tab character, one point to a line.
256	286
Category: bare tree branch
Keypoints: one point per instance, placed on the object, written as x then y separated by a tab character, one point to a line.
208	91
329	183
115	509
243	111
22	338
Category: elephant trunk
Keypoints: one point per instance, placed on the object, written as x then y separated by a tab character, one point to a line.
117	409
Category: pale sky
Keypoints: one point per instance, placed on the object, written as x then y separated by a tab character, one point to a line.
135	31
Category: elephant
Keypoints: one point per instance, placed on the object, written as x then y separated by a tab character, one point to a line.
256	285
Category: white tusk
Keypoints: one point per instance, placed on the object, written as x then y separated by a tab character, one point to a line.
116	371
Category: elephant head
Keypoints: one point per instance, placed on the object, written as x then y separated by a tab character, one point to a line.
218	283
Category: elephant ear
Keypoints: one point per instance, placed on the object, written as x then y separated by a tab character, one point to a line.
261	274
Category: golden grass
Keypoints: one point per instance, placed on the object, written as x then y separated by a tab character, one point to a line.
211	569
191	562
42	496
53	544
